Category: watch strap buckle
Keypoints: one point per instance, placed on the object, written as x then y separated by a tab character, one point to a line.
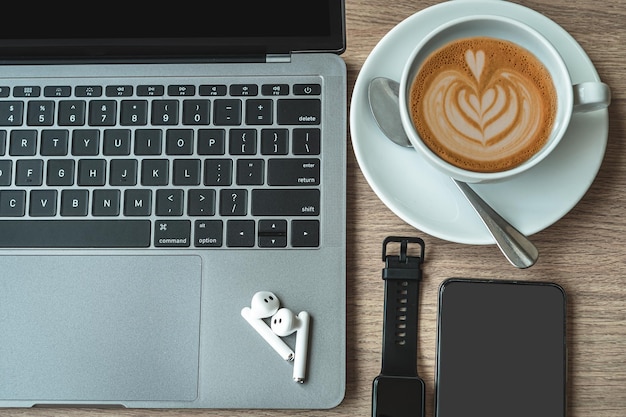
403	266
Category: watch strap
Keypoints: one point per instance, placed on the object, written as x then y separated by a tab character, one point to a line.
402	274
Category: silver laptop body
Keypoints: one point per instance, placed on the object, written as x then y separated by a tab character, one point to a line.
125	265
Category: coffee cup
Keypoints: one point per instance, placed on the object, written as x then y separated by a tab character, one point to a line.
484	98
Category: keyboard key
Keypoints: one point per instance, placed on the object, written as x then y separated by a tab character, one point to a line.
150	90
233	202
148	141
119	90
218	172
181	90
27	91
272	227
227	112
23	143
213	90
3	142
196	112
244	90
306	141
60	172
169	202
72	113
43	203
54	142
57	91
285	202
29	172
12	203
259	112
74	202
275	89
250	171
11	113
272	233
201	202
240	233
187	172
85	142
106	203
123	172
74	233
137	202
211	141
179	142
102	113
292	171
307	89
5	172
40	113
172	233
208	233
242	142
134	113
164	112
92	172
274	141
116	142
299	111
155	172
88	91
305	233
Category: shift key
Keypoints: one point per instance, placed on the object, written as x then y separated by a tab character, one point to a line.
286	202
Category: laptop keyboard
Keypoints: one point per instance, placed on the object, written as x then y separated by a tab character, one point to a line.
135	164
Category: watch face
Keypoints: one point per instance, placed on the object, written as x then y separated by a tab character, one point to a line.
398	397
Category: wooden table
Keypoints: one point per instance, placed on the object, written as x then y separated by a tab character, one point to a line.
585	251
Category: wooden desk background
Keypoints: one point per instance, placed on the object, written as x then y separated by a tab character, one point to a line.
585	251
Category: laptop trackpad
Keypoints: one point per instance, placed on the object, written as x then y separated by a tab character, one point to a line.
99	328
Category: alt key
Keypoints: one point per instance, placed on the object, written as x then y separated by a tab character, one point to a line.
208	233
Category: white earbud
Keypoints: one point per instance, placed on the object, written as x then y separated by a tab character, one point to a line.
284	323
265	304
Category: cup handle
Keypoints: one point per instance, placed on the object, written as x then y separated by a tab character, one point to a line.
590	96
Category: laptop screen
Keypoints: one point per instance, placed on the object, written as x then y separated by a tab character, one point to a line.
236	27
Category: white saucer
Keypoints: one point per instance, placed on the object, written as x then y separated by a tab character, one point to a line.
428	200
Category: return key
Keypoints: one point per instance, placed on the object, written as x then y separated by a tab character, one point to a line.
293	171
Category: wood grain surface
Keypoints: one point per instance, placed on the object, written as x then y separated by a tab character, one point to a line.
585	251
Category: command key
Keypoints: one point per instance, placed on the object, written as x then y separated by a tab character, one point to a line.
172	233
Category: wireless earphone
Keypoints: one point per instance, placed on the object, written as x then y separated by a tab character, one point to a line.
265	304
284	323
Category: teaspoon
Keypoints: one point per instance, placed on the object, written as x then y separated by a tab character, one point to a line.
383	100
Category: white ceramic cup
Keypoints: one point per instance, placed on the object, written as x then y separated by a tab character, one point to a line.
587	96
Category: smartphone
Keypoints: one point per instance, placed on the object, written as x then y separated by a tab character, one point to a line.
501	349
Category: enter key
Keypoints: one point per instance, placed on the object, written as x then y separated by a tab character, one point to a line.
293	171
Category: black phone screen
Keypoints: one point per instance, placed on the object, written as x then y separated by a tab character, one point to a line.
501	349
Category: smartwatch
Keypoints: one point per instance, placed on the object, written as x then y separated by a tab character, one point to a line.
398	391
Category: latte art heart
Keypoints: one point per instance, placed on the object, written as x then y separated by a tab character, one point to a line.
483	110
476	62
494	120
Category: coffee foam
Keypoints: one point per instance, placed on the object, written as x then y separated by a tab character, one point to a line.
483	104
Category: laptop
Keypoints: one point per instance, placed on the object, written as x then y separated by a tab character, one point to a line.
158	168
